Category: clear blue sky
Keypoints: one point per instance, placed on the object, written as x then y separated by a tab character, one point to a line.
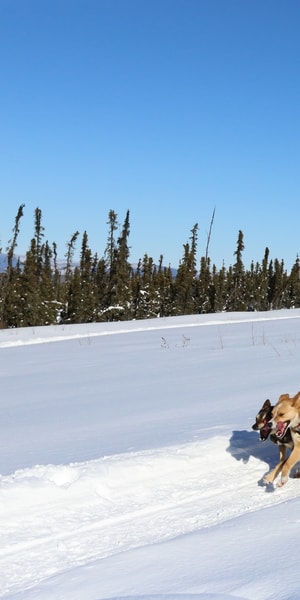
167	108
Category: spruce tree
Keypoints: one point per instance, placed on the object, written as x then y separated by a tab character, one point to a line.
219	291
163	289
294	285
278	283
48	308
88	297
31	287
124	269
239	302
119	289
14	301
39	234
205	294
146	305
66	295
82	296
8	277
263	283
111	265
101	283
185	283
70	254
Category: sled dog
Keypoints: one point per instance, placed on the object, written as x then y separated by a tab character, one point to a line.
263	424
285	417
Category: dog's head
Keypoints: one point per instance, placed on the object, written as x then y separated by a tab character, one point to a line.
263	421
285	414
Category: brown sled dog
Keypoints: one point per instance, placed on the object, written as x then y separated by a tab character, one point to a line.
286	416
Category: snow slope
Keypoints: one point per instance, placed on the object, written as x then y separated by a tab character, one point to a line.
128	465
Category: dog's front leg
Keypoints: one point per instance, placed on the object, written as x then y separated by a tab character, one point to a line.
270	477
282	453
288	465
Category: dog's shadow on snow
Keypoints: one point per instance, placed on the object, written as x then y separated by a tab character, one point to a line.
244	444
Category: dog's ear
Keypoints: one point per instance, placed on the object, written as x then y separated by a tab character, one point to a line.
296	398
284	397
267	404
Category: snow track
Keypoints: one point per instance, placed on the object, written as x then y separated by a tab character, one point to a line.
53	518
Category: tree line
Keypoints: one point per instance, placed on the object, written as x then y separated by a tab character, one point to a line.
37	291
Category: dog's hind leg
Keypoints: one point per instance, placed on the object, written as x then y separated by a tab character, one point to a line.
288	465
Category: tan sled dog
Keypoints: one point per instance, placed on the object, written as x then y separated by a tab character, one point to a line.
286	414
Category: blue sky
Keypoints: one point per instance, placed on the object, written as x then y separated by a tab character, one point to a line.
168	108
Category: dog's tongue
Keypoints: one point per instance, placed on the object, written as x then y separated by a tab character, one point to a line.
280	428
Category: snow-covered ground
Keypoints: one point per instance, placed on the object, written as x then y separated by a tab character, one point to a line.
128	466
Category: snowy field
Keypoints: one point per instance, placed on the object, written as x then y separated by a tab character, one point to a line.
128	466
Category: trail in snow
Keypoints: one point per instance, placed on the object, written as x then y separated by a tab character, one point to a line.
56	517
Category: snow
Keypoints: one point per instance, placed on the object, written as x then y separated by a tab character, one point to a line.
128	465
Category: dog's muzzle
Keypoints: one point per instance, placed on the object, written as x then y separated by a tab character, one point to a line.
264	430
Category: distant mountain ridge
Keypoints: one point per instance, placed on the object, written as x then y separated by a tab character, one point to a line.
61	264
3	262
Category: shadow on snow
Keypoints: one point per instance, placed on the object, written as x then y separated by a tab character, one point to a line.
244	444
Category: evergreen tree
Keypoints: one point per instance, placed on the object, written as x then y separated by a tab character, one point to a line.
123	270
111	265
257	284
219	292
88	299
238	296
230	290
294	285
278	283
253	287
31	288
145	301
39	291
8	285
185	283
70	254
14	301
13	242
110	252
263	284
82	294
163	285
136	289
74	297
48	307
119	299
39	234
57	282
205	290
66	292
101	283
